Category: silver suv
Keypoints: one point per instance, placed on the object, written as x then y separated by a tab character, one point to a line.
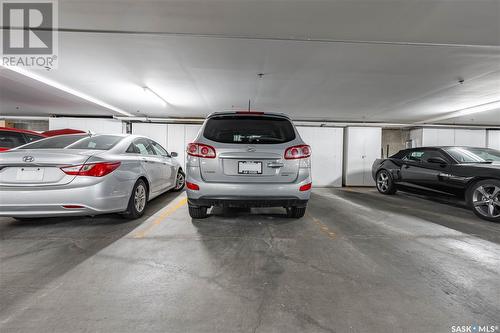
248	159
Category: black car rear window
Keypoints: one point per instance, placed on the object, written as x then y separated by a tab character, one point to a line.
249	129
98	142
54	142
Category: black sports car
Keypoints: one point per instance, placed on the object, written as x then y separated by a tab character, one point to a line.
472	173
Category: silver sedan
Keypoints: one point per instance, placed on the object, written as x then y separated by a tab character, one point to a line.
74	175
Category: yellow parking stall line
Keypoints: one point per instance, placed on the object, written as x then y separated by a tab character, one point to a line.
160	218
323	227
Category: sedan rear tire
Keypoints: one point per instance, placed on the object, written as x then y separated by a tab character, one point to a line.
484	199
385	182
138	201
180	181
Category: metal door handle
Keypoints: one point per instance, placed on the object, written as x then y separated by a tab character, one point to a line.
275	165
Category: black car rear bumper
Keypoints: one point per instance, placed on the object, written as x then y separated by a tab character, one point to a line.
245	201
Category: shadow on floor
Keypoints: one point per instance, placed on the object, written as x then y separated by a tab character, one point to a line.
38	251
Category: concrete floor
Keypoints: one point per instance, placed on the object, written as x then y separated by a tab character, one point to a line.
358	262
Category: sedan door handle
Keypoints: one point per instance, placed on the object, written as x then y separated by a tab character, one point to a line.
275	165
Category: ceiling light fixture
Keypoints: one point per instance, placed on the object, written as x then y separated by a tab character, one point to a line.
67	90
466	112
150	92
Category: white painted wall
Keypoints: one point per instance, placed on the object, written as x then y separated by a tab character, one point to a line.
157	132
470	137
179	136
363	145
448	137
327	150
438	137
94	125
493	139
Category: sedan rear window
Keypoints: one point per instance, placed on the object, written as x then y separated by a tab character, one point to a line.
55	142
249	129
97	142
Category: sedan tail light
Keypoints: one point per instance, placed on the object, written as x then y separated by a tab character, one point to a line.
296	152
201	150
91	169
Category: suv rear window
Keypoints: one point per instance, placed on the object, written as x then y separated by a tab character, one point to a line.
249	129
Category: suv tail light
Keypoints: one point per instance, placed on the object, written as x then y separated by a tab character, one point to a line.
305	187
92	169
296	152
201	150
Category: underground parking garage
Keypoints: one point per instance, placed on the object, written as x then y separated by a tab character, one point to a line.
248	166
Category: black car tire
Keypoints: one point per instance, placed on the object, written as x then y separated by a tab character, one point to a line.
474	197
134	211
197	212
385	183
180	175
295	212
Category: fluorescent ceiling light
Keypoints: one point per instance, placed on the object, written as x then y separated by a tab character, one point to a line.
466	112
67	89
150	92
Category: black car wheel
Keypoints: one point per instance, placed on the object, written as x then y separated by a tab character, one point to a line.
484	199
385	182
197	212
138	200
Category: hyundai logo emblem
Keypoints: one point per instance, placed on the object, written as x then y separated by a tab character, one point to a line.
251	149
28	159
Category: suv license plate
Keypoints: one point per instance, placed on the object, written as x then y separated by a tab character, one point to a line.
249	168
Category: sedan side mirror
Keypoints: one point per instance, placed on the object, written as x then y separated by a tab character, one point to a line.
173	154
437	160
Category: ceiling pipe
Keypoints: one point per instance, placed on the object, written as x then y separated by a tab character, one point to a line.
311	123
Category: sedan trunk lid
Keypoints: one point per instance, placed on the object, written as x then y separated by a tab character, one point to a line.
39	167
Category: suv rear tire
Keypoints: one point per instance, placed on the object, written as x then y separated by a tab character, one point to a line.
295	212
197	212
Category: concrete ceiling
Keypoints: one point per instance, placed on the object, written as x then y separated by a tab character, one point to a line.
356	60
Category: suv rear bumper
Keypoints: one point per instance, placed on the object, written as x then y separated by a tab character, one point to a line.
248	194
245	201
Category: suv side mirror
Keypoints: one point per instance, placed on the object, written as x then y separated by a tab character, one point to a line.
437	160
173	154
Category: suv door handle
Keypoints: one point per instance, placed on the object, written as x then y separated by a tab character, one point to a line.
275	165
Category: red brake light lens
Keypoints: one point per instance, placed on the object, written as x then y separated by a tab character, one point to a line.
250	113
296	152
91	170
201	150
192	186
305	187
